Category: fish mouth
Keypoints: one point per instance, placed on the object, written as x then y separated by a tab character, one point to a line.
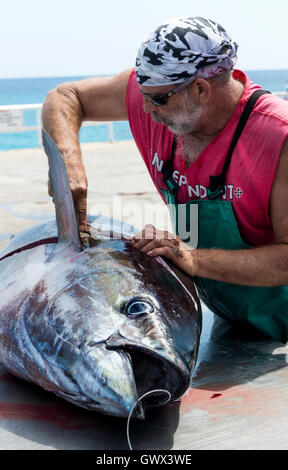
151	372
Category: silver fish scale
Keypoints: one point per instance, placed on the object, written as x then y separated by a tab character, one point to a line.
63	322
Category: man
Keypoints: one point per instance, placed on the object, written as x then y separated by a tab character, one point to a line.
184	104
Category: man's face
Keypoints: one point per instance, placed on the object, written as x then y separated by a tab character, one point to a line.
180	114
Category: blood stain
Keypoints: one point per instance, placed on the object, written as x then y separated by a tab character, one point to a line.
58	414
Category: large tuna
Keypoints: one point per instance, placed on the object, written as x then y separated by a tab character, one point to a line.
98	323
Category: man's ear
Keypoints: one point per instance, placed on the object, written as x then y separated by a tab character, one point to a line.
200	91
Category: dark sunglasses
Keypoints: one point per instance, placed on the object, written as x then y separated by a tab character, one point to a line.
160	100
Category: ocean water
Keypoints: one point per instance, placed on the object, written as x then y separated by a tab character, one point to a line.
33	90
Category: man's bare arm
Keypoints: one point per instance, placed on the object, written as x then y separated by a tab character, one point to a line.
261	266
64	110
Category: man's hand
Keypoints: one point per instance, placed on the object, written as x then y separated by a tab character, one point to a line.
162	243
78	185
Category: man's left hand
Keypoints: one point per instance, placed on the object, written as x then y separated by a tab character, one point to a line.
155	242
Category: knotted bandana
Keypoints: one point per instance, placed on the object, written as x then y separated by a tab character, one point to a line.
184	48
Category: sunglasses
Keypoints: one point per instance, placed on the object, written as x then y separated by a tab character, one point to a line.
161	99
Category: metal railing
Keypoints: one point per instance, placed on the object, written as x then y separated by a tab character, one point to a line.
12	119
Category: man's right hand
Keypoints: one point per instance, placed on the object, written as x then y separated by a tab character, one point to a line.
78	185
64	110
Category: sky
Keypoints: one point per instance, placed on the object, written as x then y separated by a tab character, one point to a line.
92	37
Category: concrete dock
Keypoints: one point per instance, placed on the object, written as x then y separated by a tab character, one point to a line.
239	391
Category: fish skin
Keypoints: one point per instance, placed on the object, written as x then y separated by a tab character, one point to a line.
65	318
61	324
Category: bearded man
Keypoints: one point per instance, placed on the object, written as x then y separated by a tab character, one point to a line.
210	137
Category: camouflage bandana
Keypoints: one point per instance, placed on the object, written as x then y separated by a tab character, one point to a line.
184	48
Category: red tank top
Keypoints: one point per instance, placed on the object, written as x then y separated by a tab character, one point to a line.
252	169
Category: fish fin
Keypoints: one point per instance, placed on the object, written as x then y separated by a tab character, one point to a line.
68	231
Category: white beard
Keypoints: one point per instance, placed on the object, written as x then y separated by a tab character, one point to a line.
186	123
181	122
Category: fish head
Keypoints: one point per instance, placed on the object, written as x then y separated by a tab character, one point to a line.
161	324
132	325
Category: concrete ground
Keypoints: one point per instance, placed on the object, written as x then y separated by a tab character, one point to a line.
239	393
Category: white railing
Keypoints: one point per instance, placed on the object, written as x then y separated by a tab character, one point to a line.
12	120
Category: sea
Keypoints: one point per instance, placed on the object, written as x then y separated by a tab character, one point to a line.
18	91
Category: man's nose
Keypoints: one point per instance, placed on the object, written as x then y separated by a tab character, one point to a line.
148	106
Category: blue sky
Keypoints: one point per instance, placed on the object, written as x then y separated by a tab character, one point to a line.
91	37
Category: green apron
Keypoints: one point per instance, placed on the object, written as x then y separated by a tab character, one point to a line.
263	308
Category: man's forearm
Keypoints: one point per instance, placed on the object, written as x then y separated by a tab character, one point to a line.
264	266
62	118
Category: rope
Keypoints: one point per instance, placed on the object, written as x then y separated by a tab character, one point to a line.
136	403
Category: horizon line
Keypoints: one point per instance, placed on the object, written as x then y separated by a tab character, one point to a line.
115	73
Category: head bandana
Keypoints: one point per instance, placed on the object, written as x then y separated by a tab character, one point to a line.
182	49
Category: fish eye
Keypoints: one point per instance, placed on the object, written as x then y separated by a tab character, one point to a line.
136	307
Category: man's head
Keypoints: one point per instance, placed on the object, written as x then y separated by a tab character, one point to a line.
184	49
182	52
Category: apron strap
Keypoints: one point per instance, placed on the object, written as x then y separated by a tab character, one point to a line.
217	183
